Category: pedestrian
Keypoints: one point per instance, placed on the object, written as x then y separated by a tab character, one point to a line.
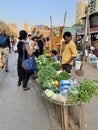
12	41
36	51
23	76
41	44
5	48
29	39
69	52
1	62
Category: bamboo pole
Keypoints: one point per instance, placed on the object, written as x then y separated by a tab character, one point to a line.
62	33
51	33
87	35
87	38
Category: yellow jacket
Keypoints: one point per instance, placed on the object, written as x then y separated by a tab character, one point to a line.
69	51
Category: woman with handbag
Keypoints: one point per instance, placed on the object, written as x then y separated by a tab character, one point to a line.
23	76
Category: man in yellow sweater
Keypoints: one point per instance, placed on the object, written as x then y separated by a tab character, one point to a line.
69	52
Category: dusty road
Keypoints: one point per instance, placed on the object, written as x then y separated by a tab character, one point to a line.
20	110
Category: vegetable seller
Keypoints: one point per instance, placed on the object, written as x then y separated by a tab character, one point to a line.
69	52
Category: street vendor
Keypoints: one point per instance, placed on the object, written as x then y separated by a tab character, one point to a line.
69	52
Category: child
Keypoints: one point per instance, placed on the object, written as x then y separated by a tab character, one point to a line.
54	55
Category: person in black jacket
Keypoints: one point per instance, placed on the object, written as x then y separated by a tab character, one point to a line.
23	76
41	44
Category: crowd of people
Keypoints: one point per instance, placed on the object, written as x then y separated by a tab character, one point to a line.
34	46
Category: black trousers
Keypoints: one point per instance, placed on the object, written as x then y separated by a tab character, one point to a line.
23	77
67	67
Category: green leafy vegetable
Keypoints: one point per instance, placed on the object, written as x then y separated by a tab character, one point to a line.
63	76
55	65
41	62
50	84
87	90
72	94
46	73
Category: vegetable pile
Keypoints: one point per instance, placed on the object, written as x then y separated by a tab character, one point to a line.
87	90
55	65
63	76
41	62
72	94
51	79
84	92
46	73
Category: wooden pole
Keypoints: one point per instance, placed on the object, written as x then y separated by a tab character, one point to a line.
62	33
87	27
87	40
51	33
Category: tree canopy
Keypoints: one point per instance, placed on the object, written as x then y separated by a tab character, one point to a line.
3	25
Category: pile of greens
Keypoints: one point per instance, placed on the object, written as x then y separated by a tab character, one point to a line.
72	94
84	92
41	61
50	60
63	76
87	90
50	84
55	65
46	73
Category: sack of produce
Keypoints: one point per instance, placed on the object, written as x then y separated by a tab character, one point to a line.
64	85
72	94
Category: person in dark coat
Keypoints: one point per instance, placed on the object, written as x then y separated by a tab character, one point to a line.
41	44
23	76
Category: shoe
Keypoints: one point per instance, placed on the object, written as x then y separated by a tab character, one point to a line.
6	70
26	88
35	76
19	84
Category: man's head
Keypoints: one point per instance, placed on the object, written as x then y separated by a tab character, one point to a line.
54	52
35	38
67	36
3	31
29	36
41	36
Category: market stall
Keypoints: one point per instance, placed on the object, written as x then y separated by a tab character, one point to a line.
64	91
66	115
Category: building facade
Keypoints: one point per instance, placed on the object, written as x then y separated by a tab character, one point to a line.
26	28
40	29
93	22
80	11
93	6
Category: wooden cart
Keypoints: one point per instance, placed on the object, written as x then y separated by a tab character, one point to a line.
66	114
